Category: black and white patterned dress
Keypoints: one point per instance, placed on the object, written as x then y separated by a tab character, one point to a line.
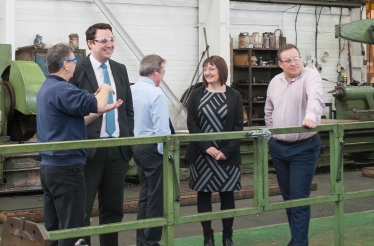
207	174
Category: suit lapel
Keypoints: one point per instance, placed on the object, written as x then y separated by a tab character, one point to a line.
117	79
88	69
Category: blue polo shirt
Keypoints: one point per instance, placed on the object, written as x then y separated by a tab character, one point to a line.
61	108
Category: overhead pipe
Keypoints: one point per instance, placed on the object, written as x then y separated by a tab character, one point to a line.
346	4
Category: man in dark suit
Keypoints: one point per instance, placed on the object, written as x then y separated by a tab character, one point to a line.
106	168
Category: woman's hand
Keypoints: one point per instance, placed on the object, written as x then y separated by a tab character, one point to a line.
220	156
212	152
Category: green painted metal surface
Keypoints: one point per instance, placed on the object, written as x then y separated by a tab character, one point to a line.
358	230
26	78
357	31
172	216
5	57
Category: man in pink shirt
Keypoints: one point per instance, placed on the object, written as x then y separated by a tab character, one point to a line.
295	98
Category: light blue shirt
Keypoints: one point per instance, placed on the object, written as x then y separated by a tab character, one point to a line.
151	110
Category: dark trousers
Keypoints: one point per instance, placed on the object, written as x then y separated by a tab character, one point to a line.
105	174
150	205
64	198
295	165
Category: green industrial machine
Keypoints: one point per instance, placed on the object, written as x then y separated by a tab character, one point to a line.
19	84
361	31
354	102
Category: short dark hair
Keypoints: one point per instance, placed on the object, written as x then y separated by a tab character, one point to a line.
221	65
91	31
284	48
56	55
150	63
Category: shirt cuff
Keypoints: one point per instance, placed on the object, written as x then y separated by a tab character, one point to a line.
160	148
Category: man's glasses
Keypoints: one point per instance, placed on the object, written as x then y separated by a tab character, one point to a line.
289	61
209	69
162	71
69	60
104	40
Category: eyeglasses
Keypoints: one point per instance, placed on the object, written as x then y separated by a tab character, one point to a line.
289	61
69	60
210	69
104	40
162	71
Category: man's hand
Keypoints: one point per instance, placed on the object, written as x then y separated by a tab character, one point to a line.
104	87
114	105
309	123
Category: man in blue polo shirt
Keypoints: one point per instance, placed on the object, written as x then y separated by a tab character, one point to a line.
63	110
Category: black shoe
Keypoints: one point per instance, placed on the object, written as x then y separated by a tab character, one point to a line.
209	237
227	242
227	238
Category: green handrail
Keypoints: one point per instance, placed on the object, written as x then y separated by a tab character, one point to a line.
261	196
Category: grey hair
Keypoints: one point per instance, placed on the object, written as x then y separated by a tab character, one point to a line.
150	63
56	55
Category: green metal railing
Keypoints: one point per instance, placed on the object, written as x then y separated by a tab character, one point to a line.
261	186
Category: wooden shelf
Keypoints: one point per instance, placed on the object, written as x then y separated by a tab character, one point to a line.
262	75
270	66
254	49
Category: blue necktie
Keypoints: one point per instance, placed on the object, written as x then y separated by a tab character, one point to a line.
110	124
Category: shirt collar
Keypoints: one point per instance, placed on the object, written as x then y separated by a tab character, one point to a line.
96	64
294	79
146	80
50	76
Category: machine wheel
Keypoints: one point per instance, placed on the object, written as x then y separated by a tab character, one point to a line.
22	127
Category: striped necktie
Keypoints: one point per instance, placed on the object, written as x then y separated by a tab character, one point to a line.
110	124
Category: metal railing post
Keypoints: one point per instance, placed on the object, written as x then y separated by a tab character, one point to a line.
336	178
260	163
169	159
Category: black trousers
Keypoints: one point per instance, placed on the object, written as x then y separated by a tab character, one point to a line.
105	174
150	205
64	198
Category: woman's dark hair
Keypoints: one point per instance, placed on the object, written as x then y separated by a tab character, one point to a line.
221	65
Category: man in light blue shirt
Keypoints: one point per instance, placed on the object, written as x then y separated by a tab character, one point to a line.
151	116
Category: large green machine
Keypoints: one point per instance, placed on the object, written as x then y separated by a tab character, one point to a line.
19	84
355	102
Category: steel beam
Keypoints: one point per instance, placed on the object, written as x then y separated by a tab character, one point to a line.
346	4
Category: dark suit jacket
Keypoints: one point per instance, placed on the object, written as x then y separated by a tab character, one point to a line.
234	122
84	78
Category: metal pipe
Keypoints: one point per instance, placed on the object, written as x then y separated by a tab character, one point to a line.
356	4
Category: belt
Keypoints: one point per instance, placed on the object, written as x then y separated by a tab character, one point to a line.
298	141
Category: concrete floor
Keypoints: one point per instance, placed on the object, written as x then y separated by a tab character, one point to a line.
353	182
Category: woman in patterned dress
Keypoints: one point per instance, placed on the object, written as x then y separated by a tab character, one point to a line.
214	165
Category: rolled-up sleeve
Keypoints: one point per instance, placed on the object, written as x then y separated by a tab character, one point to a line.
315	104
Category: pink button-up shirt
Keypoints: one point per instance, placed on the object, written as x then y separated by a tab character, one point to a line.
289	103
